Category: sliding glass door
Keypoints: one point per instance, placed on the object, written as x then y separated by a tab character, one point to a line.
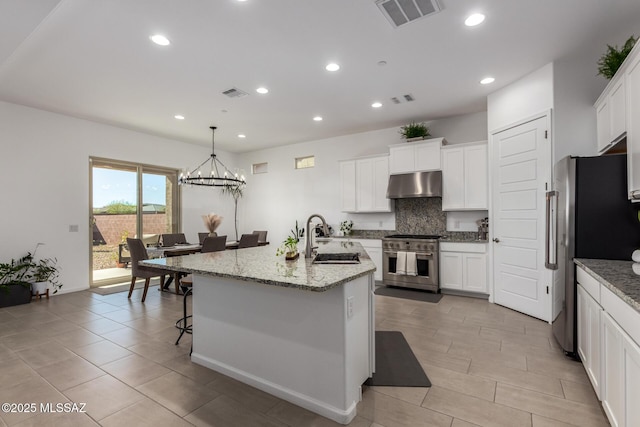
127	200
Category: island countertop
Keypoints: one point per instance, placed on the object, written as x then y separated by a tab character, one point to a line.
261	265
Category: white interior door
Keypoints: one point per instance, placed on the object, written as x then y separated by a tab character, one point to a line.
521	168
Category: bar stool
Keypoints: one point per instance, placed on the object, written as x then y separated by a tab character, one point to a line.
209	244
183	324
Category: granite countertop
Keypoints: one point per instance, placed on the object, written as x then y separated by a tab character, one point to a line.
261	265
615	275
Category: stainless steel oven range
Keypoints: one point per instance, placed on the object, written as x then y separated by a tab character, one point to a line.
426	250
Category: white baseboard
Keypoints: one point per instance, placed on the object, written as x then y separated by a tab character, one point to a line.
329	411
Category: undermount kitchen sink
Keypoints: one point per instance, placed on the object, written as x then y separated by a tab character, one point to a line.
337	258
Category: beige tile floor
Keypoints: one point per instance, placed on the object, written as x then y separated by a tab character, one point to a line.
489	366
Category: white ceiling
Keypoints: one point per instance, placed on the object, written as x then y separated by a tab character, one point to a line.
94	60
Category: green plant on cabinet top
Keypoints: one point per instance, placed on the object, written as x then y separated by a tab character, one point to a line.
414	130
614	57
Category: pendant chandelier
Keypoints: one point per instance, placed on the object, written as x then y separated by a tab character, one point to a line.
213	177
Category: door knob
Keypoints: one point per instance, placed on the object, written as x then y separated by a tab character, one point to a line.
496	240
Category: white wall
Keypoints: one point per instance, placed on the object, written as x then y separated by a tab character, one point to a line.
461	129
275	200
44	168
524	98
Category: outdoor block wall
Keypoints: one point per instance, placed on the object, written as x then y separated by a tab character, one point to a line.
111	227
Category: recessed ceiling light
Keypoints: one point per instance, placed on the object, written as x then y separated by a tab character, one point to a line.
241	135
160	39
487	80
332	67
179	117
473	20
262	90
376	104
317	118
382	63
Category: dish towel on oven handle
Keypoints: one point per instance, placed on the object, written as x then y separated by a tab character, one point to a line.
401	263
412	264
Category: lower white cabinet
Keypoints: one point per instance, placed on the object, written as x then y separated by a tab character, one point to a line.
608	332
589	342
463	266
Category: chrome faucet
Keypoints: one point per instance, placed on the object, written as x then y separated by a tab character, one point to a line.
310	247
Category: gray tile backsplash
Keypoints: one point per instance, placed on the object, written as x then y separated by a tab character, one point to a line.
419	216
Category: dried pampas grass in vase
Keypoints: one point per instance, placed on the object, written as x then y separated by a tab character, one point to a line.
212	222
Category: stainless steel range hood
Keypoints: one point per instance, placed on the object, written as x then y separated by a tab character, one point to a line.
416	184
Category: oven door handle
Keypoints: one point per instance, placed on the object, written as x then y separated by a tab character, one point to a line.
417	253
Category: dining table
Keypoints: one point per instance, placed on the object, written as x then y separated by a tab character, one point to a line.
234	244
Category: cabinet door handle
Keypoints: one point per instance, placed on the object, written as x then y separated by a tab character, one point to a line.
635	194
496	240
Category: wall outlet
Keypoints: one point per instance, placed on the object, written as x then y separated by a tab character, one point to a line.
73	228
349	307
456	224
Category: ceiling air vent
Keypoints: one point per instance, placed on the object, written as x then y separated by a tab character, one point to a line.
234	92
404	98
400	12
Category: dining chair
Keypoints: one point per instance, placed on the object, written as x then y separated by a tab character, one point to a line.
248	241
214	244
139	253
262	235
171	239
209	244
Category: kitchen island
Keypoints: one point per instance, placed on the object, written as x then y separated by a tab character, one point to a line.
303	332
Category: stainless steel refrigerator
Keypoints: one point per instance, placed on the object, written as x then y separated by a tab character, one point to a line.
588	216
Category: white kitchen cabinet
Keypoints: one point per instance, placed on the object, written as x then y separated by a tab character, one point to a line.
415	156
621	378
465	177
632	88
463	266
589	331
611	113
374	250
605	317
613	380
364	184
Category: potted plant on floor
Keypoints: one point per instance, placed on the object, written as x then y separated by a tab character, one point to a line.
15	278
45	276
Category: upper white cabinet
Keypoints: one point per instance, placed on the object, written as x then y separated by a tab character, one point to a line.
632	89
611	113
465	177
415	156
364	184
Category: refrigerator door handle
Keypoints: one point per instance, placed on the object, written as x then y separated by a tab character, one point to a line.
551	231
